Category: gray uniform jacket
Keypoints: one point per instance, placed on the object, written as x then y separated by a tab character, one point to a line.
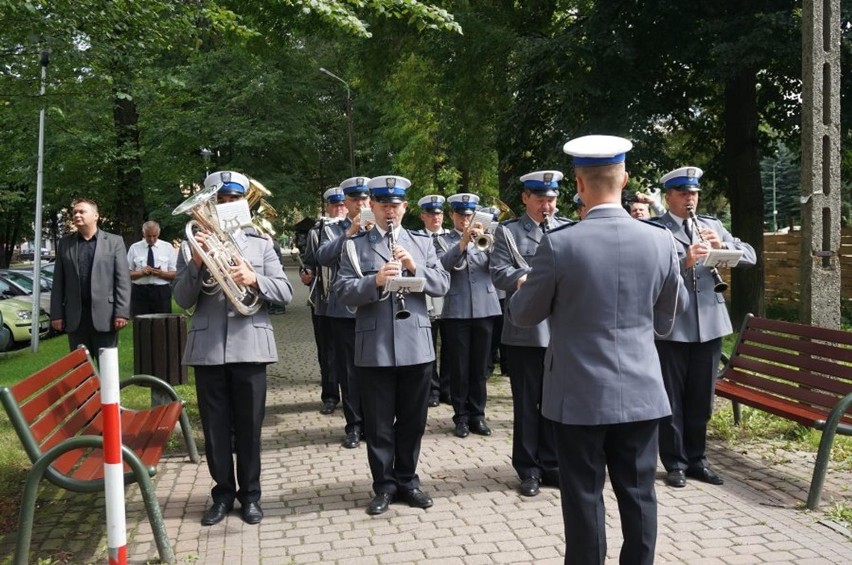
472	294
435	304
110	281
707	316
316	290
380	339
505	272
219	334
603	282
332	238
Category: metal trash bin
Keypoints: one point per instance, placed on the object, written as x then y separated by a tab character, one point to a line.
158	344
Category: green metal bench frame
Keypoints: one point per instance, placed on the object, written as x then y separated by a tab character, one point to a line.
56	414
796	371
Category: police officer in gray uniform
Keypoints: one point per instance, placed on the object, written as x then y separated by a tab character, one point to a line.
469	308
393	341
229	352
317	277
690	353
432	216
603	300
515	242
342	319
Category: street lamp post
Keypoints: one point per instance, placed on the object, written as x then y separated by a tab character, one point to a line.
206	154
36	308
348	118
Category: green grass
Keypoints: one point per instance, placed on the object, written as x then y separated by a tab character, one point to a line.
16	365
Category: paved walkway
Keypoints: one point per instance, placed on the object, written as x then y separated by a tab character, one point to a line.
315	493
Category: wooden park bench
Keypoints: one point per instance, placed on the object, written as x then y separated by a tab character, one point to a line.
56	413
800	372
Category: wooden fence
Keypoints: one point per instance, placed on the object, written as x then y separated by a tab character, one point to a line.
781	264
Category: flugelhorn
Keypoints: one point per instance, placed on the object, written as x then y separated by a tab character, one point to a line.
718	284
221	249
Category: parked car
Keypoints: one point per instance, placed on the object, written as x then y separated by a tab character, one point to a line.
23	280
5	335
17	319
47	269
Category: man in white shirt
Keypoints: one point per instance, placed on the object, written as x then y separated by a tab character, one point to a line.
152	264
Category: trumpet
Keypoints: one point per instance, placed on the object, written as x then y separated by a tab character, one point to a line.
221	249
718	284
401	312
545	223
484	242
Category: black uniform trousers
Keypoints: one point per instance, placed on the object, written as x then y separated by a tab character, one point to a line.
440	385
469	344
629	452
533	442
232	401
87	335
150	299
689	374
395	402
342	336
329	389
498	352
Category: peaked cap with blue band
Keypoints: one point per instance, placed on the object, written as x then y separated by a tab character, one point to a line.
333	195
431	202
229	182
388	188
597	150
544	183
684	179
463	203
355	185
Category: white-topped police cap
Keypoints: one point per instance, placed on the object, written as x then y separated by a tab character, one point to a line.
683	179
229	182
463	203
431	203
333	195
355	185
493	210
597	150
388	188
544	183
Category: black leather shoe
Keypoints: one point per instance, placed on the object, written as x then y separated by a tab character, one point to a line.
415	498
434	401
216	513
380	503
461	430
479	428
676	478
530	486
352	439
328	407
251	513
706	475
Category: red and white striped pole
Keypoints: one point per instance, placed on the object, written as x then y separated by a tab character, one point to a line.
113	461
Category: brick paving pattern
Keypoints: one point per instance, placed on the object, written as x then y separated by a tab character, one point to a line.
315	493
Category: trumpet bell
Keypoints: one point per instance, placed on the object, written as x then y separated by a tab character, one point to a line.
484	242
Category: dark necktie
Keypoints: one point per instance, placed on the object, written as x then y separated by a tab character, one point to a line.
151	256
687	229
543	227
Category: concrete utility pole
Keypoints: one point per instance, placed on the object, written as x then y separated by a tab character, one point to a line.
820	257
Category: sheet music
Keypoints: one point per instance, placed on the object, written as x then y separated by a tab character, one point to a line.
722	258
233	215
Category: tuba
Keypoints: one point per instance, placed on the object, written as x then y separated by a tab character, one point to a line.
261	210
221	251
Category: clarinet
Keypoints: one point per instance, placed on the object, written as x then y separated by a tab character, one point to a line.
718	284
401	312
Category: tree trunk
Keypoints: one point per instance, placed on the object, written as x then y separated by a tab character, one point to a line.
742	162
129	196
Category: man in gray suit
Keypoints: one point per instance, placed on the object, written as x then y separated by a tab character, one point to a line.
229	352
91	283
515	242
393	341
603	300
690	353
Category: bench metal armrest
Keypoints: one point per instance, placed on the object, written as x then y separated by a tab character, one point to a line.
829	429
152	382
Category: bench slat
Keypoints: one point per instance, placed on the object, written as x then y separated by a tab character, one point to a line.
802	330
48	421
40	379
816	357
44	401
72	427
833	387
792	411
